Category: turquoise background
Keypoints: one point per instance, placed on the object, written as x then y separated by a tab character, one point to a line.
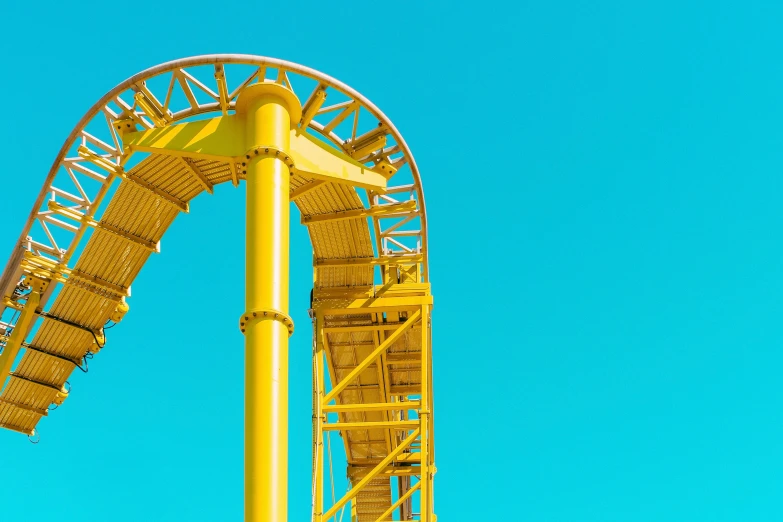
603	186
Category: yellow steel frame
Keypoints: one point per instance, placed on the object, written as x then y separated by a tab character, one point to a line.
406	422
372	340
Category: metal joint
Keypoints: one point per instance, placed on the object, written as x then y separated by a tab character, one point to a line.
266	315
266	151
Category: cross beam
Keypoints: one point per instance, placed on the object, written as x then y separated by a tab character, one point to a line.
222	139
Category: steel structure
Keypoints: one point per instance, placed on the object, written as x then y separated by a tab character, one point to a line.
135	162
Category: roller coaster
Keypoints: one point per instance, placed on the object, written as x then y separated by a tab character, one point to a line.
135	162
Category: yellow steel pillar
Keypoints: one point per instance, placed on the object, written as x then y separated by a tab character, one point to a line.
269	110
425	416
319	417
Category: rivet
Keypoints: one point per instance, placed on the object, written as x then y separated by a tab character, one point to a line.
254	314
248	157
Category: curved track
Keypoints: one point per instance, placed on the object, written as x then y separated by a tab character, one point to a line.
103	210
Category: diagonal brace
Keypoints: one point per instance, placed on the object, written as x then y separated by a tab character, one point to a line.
385	345
372	474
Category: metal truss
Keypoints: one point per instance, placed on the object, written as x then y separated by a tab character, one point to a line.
92	157
392	378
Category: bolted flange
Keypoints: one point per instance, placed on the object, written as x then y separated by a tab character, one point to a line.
265	151
266	315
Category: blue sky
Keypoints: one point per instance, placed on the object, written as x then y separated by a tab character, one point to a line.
603	186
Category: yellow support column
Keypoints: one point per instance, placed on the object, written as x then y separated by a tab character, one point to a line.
319	417
425	506
268	109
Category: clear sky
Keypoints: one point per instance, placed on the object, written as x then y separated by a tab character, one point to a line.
603	182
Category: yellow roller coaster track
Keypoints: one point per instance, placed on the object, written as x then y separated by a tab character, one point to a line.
135	162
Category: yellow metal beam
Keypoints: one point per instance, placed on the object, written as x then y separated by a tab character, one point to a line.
363	328
47	269
314	158
425	418
182	206
356	472
372	304
78	216
405	458
386	290
150	109
221	139
220	78
117	170
59	357
304	189
17	429
371	475
404	358
381	210
365	407
200	177
312	106
33	381
319	417
371	261
374	425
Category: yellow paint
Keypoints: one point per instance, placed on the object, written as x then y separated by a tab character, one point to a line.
266	114
314	158
216	138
